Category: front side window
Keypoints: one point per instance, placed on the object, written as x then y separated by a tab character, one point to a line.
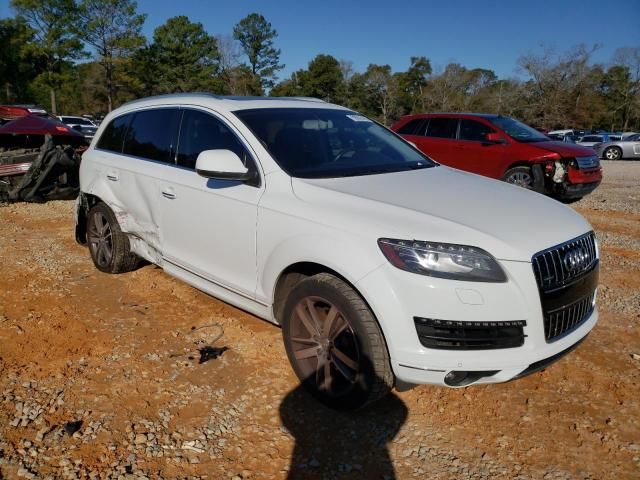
413	127
329	143
441	127
113	136
518	131
152	134
200	131
474	131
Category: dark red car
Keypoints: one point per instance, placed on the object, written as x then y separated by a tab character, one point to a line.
503	148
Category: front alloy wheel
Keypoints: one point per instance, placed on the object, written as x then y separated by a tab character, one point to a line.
612	153
334	343
520	176
324	345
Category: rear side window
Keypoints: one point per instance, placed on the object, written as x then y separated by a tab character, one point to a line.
413	127
442	127
200	131
474	131
113	136
152	134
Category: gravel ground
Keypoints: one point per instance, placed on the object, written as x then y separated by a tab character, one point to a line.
107	376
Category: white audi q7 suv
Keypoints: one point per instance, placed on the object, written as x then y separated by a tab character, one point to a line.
382	267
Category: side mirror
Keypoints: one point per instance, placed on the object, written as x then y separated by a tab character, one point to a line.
222	165
494	137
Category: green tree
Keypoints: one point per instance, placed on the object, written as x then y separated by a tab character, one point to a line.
323	79
113	29
186	58
17	65
53	41
412	84
256	36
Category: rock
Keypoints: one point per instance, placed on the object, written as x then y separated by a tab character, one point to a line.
140	439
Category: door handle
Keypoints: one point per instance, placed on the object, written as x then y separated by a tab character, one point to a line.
168	194
113	176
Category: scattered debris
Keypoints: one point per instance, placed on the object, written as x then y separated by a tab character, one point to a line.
72	427
207	353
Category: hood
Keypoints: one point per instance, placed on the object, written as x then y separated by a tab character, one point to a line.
564	149
442	204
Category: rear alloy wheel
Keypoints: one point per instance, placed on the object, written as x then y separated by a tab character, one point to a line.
334	343
520	176
613	153
108	245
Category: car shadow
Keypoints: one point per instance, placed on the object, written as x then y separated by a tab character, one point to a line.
341	444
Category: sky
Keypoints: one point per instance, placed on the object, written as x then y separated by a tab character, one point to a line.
487	34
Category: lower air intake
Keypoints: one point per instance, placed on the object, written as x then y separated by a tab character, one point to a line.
458	335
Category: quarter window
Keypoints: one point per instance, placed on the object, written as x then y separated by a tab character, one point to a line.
201	131
474	131
113	136
442	127
152	134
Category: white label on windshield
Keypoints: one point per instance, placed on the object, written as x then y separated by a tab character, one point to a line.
358	118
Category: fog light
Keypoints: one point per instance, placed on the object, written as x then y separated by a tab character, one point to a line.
460	378
455	378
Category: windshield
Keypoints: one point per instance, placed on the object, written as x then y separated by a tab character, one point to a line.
518	131
328	143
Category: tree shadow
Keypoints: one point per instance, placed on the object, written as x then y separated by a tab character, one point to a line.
341	444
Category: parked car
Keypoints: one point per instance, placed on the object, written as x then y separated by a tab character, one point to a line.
568	138
620	149
39	159
503	148
11	112
561	132
382	267
81	124
591	140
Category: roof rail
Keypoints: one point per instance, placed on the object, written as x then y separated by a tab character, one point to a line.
172	95
221	97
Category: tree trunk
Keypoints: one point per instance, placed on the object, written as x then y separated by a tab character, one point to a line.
108	66
52	95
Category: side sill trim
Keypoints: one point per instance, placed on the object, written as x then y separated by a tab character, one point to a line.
237	292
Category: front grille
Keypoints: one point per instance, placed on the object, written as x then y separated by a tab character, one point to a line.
567	277
588	162
564	263
565	319
457	335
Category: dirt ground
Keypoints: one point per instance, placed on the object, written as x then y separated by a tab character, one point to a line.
101	377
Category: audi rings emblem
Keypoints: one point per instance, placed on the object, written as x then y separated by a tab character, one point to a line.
575	258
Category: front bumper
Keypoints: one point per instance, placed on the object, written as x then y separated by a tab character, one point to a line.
396	297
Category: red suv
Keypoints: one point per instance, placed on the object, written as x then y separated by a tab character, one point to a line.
503	148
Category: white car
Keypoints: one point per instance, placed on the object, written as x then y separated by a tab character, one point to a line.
382	267
85	126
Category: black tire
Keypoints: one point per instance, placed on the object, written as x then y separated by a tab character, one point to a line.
612	153
520	176
108	245
360	343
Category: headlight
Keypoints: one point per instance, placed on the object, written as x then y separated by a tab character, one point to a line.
443	260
